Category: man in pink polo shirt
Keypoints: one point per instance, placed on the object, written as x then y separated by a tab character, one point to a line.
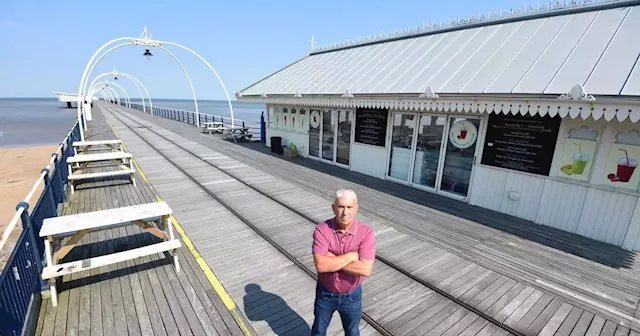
343	251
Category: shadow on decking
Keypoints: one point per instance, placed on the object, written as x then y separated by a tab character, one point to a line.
108	246
587	248
260	305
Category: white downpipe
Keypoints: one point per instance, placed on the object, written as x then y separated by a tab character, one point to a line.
193	91
130	77
81	97
212	69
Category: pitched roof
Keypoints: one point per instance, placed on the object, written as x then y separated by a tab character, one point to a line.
598	49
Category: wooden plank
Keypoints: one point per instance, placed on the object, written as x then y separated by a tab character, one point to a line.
570	322
533	313
609	328
108	323
80	158
96	142
119	319
556	320
105	260
153	305
96	297
96	219
583	324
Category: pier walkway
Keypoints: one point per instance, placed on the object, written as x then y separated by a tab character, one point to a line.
140	297
251	215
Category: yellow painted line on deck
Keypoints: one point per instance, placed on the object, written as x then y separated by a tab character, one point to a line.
211	277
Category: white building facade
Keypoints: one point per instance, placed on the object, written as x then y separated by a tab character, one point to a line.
534	115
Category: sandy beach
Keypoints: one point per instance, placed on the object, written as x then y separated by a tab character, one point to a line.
19	169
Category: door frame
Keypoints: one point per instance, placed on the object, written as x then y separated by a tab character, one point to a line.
411	155
443	143
333	161
476	153
317	158
442	156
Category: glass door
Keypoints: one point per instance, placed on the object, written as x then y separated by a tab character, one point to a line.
428	147
343	145
401	146
314	133
328	135
459	156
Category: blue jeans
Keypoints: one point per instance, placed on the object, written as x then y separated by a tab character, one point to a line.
349	306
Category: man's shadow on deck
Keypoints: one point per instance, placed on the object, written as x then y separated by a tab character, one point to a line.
260	305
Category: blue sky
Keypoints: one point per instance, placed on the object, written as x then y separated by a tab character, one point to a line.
45	45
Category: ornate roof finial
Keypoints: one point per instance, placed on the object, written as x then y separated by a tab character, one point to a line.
428	93
263	95
577	93
297	95
347	94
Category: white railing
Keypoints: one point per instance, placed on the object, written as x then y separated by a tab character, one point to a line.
541	7
159	109
36	185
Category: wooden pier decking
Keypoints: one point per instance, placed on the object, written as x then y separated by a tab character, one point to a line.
140	297
576	276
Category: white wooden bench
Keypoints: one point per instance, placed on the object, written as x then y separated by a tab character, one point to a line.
77	165
153	217
212	126
84	146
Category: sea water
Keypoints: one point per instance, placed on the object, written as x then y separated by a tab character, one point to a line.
45	121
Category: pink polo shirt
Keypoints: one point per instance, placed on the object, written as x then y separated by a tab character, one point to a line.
327	238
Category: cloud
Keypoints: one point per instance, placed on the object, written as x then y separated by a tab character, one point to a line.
583	133
631	138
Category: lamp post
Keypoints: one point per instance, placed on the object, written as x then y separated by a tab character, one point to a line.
146	41
135	81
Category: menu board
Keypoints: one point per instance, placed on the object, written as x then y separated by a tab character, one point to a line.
523	143
371	126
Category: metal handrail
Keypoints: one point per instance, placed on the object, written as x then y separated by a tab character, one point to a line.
36	185
193	112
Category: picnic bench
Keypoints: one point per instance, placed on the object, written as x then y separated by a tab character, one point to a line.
237	133
212	126
78	164
155	218
84	146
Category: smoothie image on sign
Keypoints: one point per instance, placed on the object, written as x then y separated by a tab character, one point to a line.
579	163
626	166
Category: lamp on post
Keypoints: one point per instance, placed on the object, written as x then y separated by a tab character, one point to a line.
147	54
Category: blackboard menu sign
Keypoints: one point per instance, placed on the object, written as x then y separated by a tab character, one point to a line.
371	126
523	143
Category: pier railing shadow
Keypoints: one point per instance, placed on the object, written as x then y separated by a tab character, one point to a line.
600	252
262	305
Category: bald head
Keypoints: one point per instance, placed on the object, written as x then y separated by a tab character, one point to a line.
345	207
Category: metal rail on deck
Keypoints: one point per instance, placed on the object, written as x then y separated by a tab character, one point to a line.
189	116
20	282
295	261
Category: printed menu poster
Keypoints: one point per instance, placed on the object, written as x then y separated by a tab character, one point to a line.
578	153
523	143
622	162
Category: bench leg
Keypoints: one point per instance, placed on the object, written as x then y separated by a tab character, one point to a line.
176	263
49	257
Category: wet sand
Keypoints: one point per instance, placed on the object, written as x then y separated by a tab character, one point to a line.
19	169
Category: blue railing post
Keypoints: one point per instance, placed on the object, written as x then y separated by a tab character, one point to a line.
47	185
26	225
263	135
